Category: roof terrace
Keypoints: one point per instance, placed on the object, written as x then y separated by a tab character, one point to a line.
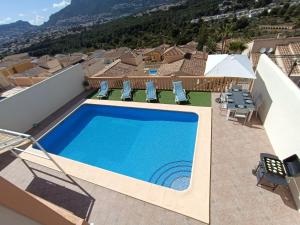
235	198
235	149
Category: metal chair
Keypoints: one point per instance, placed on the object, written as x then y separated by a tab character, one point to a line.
236	86
241	114
258	102
223	102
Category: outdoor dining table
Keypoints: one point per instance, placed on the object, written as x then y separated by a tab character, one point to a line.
239	99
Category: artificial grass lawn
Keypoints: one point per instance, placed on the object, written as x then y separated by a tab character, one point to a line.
196	98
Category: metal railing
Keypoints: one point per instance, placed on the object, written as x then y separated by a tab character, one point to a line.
190	83
11	145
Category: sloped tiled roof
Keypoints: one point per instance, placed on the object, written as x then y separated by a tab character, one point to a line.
170	68
129	54
162	48
68	60
120	69
174	50
272	43
189	67
295	47
288	61
190	47
115	53
33	72
194	66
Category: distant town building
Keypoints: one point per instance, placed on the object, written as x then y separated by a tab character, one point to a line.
287	27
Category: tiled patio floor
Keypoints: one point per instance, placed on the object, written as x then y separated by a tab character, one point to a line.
235	199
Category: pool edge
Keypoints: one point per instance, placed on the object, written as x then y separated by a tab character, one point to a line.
192	202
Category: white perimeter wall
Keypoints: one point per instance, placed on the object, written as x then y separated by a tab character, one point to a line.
21	111
280	112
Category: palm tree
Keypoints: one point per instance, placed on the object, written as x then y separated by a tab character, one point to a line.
237	46
225	31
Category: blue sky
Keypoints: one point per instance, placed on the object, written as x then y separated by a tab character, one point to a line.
34	11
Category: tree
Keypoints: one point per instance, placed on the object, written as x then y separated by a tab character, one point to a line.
242	23
237	46
211	44
202	37
225	31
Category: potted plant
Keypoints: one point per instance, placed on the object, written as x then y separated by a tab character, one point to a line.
86	85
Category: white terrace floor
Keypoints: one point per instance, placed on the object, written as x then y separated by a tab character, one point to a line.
235	199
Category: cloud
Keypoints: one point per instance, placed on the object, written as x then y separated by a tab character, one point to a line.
37	20
61	4
5	20
45	9
21	14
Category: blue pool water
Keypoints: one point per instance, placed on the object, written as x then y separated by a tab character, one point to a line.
151	145
152	72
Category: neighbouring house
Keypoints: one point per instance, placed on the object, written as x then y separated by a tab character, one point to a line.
193	66
120	69
71	59
175	62
168	69
30	77
4	71
114	54
49	63
285	52
17	57
268	46
155	54
98	53
173	54
93	65
190	47
285	60
34	72
132	58
4	82
9	67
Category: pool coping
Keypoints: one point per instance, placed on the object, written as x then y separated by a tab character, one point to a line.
192	202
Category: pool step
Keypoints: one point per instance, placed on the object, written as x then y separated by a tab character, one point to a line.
174	175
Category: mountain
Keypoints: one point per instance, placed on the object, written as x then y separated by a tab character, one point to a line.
103	8
17	27
9	32
147	30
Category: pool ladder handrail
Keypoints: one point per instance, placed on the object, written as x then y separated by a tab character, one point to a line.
34	141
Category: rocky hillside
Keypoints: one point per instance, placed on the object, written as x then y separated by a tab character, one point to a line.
104	8
9	32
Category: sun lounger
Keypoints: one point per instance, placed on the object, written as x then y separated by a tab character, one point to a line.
180	95
103	90
126	91
150	91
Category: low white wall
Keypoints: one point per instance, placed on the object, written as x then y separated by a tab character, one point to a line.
21	111
280	112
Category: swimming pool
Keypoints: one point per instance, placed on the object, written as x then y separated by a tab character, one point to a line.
152	71
155	146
